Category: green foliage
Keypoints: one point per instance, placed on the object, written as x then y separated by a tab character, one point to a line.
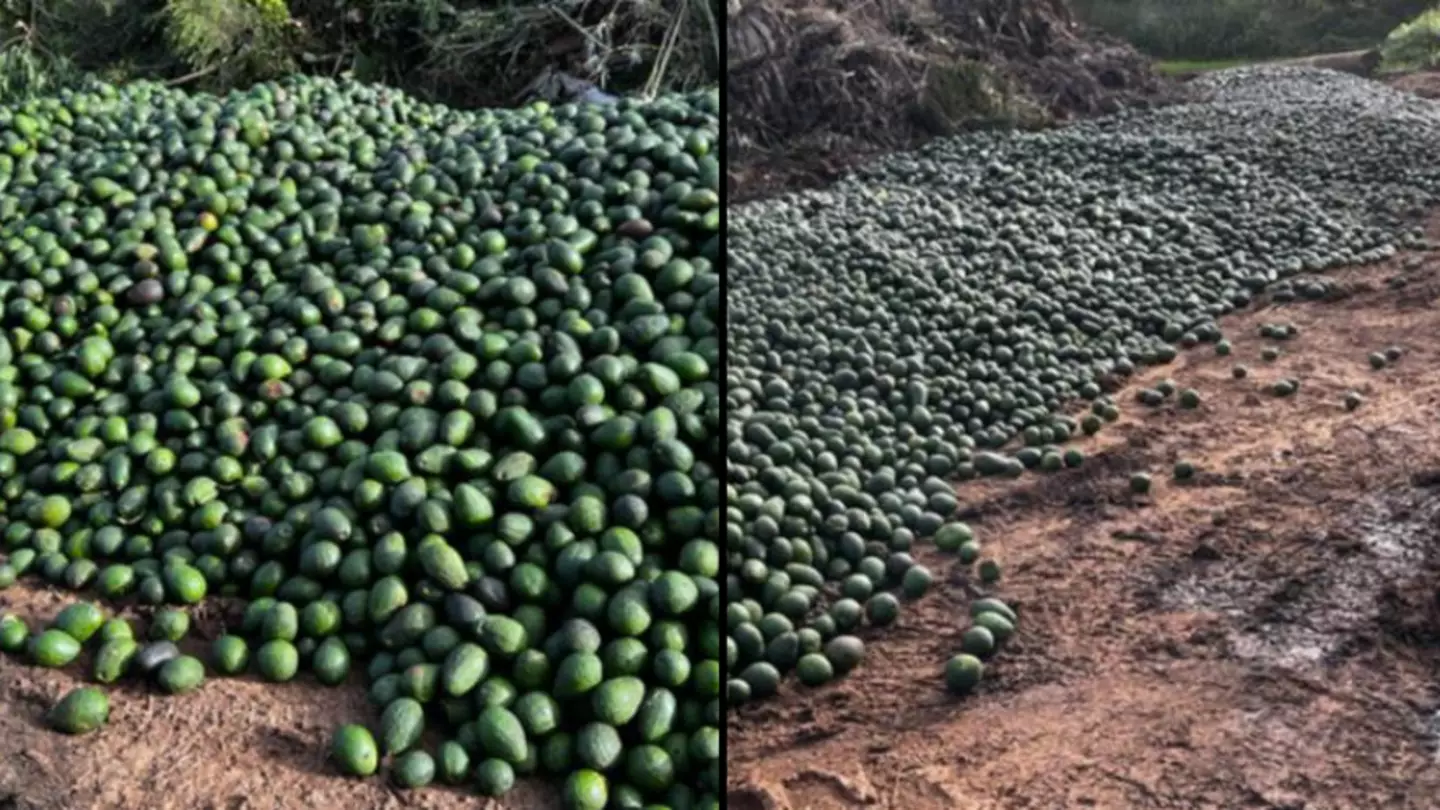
45	44
1414	45
26	72
237	42
1247	29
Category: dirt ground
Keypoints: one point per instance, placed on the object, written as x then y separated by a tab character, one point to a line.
236	744
1265	636
1425	84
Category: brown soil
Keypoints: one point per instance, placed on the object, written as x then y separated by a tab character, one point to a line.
236	744
1425	84
1266	636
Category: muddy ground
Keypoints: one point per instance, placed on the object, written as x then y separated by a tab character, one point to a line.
1266	636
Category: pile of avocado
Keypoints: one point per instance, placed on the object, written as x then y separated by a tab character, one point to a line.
433	393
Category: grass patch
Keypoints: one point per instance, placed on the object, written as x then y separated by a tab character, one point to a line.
1180	67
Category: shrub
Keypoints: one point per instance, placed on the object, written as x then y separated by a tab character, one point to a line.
1414	45
236	41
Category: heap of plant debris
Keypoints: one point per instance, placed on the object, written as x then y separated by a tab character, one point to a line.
812	87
